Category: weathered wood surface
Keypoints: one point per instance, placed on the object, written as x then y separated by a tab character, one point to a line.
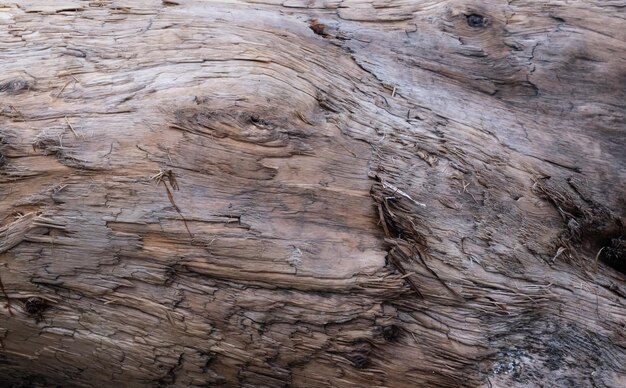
230	193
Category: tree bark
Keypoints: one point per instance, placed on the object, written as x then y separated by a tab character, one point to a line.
312	193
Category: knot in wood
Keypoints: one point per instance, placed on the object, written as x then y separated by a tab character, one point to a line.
35	306
391	332
14	86
475	20
615	254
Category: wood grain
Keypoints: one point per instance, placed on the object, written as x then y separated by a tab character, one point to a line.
312	193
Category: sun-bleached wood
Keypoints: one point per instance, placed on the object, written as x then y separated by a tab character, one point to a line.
312	193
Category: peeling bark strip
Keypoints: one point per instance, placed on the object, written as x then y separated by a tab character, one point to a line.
358	193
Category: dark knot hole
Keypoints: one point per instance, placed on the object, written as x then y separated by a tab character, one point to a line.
35	306
476	20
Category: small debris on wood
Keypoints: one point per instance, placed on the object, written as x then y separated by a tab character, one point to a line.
317	27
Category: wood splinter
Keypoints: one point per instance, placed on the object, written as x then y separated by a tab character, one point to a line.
171	178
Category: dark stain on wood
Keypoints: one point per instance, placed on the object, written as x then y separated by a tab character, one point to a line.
15	86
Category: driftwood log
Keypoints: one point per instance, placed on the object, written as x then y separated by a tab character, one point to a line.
312	193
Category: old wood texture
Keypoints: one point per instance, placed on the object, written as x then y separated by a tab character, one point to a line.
312	193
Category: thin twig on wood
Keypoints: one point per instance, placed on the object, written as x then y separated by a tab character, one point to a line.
405	275
171	178
596	260
71	127
18	112
62	89
402	193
